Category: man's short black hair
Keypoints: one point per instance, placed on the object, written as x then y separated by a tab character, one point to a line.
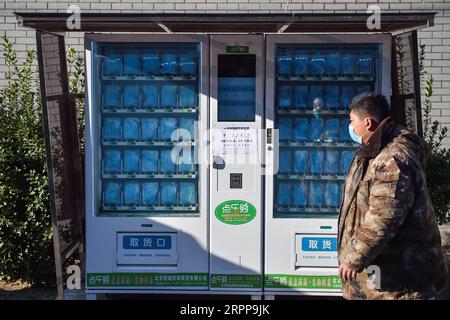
372	105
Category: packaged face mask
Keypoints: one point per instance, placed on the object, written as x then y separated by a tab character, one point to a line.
301	64
150	129
111	161
150	93
131	129
112	194
168	64
111	129
332	195
187	64
332	162
131	194
285	129
112	64
168	193
300	161
316	194
188	96
150	161
169	96
300	196
131	96
284	194
188	193
150	62
131	161
284	65
317	162
150	193
285	161
131	64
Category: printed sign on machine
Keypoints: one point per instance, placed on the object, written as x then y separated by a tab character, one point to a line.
316	250
146	249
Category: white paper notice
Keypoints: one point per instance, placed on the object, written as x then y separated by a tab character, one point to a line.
235	139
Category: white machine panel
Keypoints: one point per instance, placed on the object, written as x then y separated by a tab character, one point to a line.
236	104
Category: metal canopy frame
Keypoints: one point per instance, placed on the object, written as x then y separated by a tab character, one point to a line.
216	23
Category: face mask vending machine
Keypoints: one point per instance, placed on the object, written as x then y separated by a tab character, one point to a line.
215	163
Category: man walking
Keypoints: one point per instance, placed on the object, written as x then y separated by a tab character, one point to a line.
386	223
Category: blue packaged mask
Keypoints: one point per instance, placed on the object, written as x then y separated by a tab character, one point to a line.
188	193
284	194
300	194
150	194
112	194
131	194
149	161
332	195
149	129
168	193
285	162
112	161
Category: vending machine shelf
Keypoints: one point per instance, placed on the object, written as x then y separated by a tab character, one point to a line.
148	78
325	79
310	177
314	215
301	210
314	112
148	143
150	111
149	212
318	144
149	176
156	208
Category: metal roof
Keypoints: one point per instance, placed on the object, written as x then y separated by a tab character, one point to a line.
211	22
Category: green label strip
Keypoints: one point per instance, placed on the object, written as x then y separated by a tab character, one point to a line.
303	282
147	280
236	281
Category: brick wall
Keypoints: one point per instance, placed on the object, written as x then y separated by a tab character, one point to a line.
436	39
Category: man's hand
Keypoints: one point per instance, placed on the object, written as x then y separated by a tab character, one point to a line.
346	274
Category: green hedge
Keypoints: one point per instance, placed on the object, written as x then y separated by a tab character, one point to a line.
26	249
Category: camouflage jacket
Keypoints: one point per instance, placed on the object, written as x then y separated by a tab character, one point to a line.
387	230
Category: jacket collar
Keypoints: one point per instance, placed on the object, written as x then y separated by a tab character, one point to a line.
376	141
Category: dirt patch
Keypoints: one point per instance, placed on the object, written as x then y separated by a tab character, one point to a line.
24	291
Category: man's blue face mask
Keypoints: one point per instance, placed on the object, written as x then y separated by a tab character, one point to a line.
353	134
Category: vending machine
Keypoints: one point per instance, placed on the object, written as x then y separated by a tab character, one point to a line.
310	82
215	163
146	191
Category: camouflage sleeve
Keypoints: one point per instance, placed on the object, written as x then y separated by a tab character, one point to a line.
391	196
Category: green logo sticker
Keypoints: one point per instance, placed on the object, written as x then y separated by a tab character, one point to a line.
235	212
237	49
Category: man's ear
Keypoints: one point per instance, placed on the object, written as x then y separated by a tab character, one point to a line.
372	125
